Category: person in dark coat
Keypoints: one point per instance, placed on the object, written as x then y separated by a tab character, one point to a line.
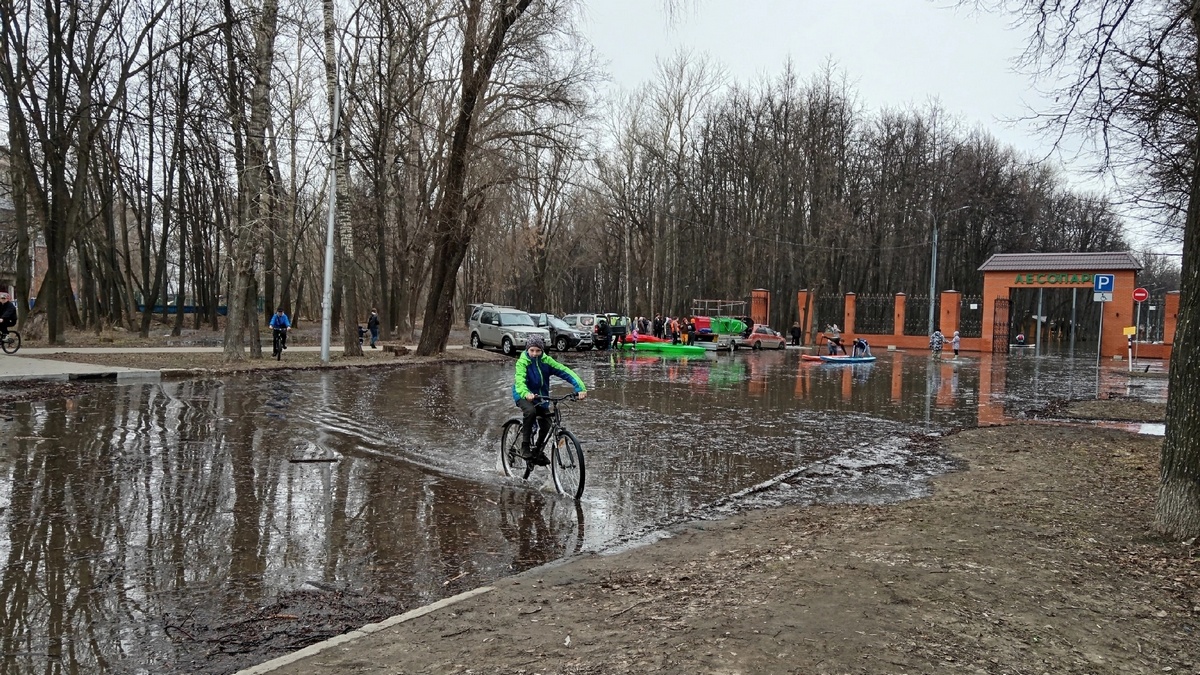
796	334
373	326
603	335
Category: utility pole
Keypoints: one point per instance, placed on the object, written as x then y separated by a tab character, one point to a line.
933	257
327	293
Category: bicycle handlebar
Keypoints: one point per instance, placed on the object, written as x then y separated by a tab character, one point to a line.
558	399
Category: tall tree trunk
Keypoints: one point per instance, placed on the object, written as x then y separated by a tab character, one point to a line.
453	225
1177	511
345	248
245	245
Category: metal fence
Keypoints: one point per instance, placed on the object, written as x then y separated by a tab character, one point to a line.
916	315
1153	315
875	314
970	323
830	309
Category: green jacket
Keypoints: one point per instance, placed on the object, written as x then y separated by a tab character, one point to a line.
532	376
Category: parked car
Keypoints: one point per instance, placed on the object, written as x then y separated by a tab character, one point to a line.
562	335
762	337
502	327
617	325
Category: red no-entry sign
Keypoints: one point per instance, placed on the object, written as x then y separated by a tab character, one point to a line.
1140	295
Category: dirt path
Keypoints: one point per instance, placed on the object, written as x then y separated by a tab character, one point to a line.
1039	558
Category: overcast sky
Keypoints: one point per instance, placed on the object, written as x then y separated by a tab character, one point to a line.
895	53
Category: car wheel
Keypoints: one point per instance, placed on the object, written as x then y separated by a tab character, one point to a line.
475	340
506	346
561	343
758	344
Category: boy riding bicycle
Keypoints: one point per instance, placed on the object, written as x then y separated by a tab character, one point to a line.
531	379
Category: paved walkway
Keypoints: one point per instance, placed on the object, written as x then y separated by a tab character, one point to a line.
18	368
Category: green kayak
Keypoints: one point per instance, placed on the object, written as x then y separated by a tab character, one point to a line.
665	348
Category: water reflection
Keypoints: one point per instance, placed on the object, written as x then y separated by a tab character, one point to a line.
175	527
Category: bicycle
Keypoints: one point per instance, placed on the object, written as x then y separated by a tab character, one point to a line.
277	343
11	343
566	456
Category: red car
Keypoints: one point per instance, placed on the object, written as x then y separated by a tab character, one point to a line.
762	337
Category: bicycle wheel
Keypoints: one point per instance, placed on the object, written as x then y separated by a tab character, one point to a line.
12	343
276	346
511	461
566	465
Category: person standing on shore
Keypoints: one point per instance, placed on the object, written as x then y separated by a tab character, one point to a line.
373	326
936	341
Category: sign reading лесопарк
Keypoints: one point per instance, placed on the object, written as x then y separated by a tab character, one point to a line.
1053	278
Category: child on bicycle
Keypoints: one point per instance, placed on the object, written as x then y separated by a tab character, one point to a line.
531	379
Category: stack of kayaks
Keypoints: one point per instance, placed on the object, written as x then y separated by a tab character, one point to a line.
665	348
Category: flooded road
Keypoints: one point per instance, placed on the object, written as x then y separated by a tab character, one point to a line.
203	526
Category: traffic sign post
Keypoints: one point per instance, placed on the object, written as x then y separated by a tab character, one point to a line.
1140	295
1102	285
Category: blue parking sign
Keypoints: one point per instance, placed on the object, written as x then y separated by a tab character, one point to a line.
1103	283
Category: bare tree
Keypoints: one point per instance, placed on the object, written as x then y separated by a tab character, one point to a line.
485	29
64	69
252	203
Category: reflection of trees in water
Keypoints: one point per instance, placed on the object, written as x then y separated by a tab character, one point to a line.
149	527
117	508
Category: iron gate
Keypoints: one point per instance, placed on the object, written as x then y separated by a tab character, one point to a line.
1000	327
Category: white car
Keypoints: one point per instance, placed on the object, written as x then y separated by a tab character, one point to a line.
503	327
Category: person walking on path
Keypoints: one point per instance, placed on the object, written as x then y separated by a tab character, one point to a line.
955	343
796	334
373	326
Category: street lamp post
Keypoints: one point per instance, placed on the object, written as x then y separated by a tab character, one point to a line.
933	265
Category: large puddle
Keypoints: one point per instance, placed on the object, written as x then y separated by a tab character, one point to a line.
203	526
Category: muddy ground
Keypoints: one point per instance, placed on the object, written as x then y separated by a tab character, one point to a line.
1038	557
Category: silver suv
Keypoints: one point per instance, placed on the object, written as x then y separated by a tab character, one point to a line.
502	327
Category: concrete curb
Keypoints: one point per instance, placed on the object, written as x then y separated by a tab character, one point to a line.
345	638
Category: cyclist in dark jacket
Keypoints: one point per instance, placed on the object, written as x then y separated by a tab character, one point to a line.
531	379
8	314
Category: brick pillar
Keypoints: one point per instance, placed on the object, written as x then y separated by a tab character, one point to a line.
898	315
848	314
1171	318
760	306
951	312
805	306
